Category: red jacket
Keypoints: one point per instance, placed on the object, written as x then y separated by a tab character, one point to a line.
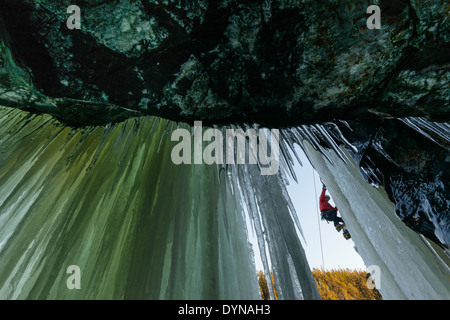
323	203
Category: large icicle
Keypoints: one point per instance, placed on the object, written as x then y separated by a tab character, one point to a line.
111	201
290	267
105	199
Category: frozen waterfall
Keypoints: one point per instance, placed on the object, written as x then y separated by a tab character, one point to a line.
109	200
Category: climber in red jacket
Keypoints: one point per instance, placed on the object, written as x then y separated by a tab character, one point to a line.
329	213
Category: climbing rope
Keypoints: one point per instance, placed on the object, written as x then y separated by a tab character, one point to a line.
318	219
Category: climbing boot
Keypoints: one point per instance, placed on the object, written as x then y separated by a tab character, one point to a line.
346	234
339	227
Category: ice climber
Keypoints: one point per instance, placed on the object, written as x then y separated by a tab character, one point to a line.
329	213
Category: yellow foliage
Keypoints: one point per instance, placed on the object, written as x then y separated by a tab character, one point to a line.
263	288
341	284
344	284
273	285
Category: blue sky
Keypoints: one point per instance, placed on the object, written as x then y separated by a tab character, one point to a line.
337	252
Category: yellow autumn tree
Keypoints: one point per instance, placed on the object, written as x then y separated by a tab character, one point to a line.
344	284
263	288
340	284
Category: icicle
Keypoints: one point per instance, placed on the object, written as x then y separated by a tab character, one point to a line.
287	137
440	131
345	123
246	191
286	160
338	136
